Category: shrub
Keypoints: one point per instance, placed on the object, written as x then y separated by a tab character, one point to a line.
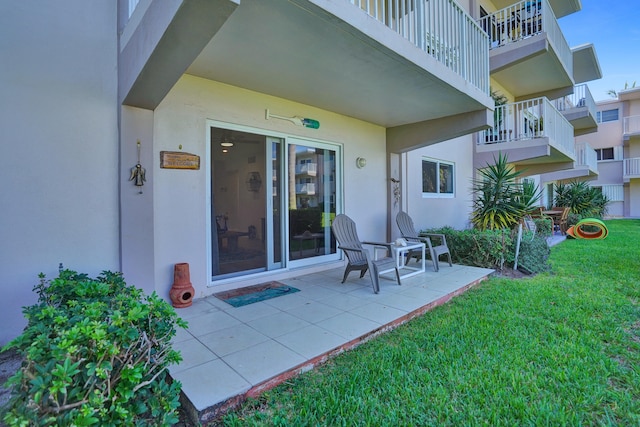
544	226
95	353
478	248
496	248
533	256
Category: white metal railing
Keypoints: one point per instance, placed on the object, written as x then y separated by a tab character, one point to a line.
309	188
631	125
442	29
580	98
525	120
586	156
307	169
631	167
525	19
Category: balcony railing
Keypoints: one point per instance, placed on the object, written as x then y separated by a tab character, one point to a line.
631	125
442	29
586	156
308	189
307	169
525	19
581	97
526	120
631	168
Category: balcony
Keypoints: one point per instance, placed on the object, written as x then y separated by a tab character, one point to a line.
631	168
580	109
529	54
560	7
631	127
585	166
390	63
533	134
309	169
308	189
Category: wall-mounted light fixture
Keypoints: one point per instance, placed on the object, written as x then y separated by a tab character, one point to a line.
226	144
296	120
361	162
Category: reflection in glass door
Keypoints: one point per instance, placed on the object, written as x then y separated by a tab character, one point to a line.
238	202
311	176
272	202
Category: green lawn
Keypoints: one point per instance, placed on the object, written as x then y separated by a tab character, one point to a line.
557	349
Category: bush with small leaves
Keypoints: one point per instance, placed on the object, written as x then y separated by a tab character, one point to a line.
95	352
496	248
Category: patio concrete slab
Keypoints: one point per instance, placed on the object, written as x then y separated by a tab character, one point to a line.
231	353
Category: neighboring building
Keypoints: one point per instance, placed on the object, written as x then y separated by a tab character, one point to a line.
617	144
543	103
92	89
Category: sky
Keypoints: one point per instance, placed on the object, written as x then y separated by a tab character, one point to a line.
612	27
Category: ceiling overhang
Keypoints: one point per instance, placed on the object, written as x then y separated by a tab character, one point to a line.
586	66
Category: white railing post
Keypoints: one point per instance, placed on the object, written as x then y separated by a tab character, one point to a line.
442	29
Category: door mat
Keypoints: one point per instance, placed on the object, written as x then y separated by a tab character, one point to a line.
255	293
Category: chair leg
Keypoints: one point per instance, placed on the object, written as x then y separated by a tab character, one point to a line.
449	259
346	273
398	277
434	259
375	282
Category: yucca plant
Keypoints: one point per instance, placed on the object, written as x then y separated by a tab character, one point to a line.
530	196
584	200
498	197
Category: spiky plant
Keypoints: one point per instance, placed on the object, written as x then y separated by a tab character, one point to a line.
498	197
584	200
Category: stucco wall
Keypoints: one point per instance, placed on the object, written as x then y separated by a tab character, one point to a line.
634	199
438	212
609	134
180	197
609	172
59	167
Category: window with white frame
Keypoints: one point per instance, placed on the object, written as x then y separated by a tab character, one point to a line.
605	153
607	115
438	178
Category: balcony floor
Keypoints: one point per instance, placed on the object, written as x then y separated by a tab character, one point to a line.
231	353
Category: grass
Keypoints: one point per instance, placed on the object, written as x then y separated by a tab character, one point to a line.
560	348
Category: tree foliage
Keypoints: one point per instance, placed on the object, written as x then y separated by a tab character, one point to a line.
585	201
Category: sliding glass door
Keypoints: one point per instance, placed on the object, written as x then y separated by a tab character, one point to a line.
312	190
272	202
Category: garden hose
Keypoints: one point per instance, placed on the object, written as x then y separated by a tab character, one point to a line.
578	232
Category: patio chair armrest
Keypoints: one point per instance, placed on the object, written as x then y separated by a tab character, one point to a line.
442	237
386	247
351	248
379	245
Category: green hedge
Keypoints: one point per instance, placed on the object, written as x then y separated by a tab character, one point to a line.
496	248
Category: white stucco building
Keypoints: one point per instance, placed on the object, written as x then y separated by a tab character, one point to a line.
404	86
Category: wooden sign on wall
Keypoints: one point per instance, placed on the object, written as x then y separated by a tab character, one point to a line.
179	160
